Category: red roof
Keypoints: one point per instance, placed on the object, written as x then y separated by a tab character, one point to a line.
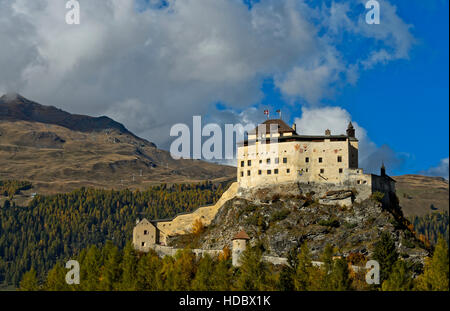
241	236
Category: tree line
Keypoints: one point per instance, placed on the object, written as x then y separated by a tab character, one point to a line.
109	268
432	225
56	227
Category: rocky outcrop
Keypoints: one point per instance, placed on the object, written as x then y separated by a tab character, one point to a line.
284	220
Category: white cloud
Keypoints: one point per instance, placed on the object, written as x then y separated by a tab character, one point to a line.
153	68
440	170
315	121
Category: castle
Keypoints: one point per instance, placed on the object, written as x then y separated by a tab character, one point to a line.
274	154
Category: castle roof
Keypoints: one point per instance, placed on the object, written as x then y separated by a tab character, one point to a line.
281	127
241	236
296	137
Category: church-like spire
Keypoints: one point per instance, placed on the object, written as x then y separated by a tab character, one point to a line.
382	169
350	130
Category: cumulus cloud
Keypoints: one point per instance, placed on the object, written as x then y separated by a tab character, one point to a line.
440	170
315	121
153	64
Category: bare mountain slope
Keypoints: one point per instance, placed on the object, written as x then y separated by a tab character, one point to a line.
420	195
59	151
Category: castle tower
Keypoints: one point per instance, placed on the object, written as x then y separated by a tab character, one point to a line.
239	245
350	130
382	170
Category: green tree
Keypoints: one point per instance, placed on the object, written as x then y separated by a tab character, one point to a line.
29	281
386	254
339	279
111	271
129	268
90	270
435	276
302	281
253	271
286	280
400	278
223	276
203	280
56	279
149	272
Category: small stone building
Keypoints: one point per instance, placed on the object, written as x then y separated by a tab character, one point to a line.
239	246
145	235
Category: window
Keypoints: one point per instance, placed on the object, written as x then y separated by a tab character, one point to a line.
269	172
277	160
320	160
307	160
143	244
145	232
306	170
242	163
268	161
322	171
284	160
339	159
242	174
260	161
275	171
248	173
288	170
249	163
340	170
259	172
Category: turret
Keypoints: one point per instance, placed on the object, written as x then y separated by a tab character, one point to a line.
239	246
350	130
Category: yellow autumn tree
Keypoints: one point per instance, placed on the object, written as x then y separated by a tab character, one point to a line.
435	276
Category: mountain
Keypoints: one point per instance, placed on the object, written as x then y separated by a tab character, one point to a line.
58	151
420	195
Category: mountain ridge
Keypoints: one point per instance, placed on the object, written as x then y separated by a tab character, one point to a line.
58	152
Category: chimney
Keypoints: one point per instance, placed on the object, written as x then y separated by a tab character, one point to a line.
382	170
294	127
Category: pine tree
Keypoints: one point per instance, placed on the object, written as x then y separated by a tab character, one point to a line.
90	270
129	268
205	270
148	272
253	271
340	276
302	280
111	271
436	271
386	254
56	279
29	281
400	278
222	277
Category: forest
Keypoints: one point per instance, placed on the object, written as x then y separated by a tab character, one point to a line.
432	225
53	228
109	269
56	227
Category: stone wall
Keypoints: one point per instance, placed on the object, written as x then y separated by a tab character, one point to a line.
182	223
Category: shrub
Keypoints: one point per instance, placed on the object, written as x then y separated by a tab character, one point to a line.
329	223
279	215
377	196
